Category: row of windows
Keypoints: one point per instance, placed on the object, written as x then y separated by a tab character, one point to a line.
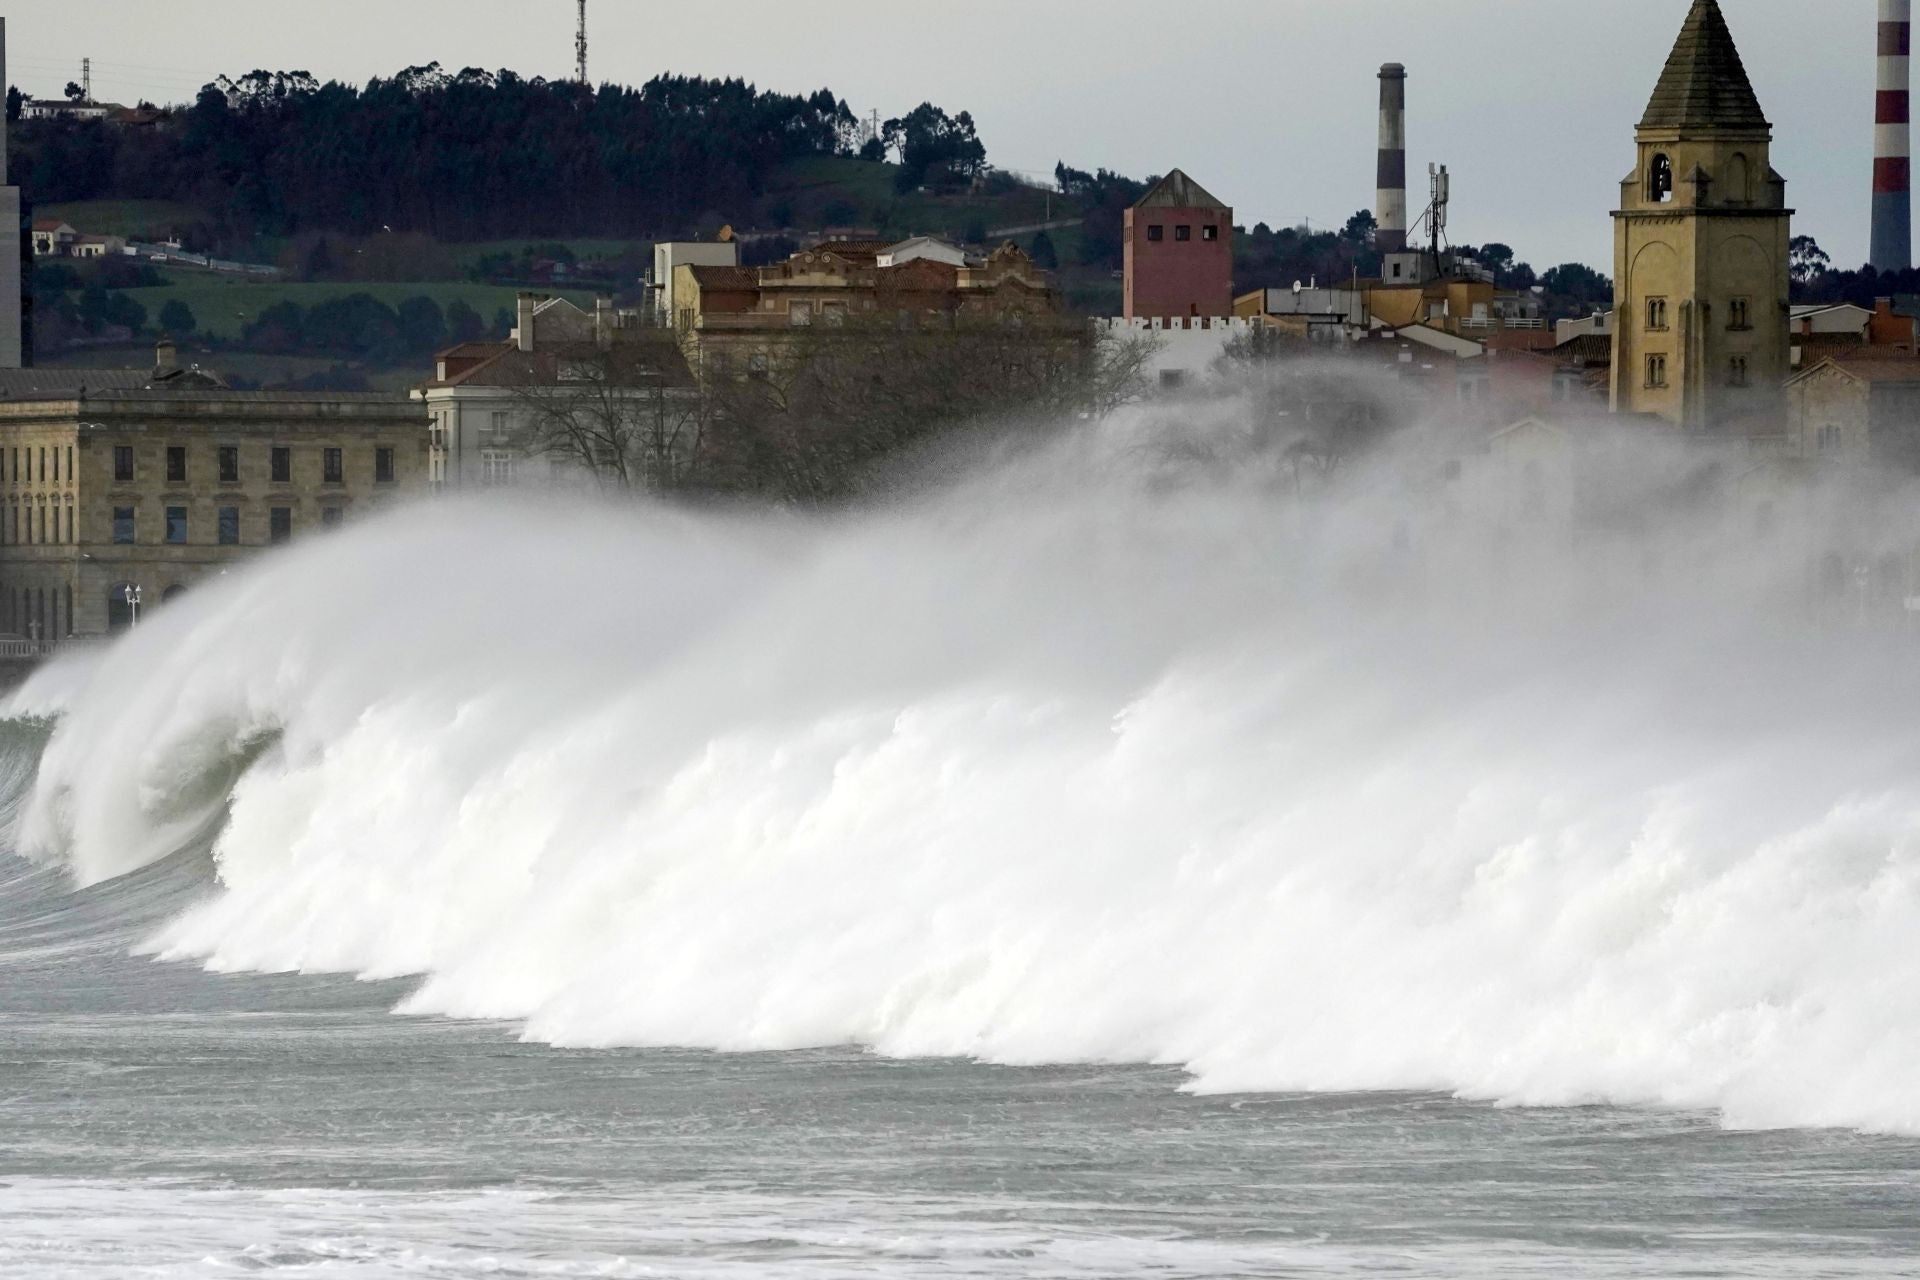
226	525
20	470
33	526
1156	232
333	468
1738	314
1657	371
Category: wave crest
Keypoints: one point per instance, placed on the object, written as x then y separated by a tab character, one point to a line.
1085	757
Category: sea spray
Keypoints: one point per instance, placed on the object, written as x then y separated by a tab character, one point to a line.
1097	752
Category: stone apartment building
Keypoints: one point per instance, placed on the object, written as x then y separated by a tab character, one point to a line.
494	409
734	321
110	485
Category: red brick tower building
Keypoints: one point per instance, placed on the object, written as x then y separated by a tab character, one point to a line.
1179	253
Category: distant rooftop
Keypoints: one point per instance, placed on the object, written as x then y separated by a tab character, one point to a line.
1178	191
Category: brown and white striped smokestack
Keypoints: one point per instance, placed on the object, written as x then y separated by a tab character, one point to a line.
1892	142
1390	197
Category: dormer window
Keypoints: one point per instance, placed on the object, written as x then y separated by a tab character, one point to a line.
1660	179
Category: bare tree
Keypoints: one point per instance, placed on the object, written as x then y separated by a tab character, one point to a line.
818	407
628	415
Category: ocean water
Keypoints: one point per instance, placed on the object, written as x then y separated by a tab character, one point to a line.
1101	861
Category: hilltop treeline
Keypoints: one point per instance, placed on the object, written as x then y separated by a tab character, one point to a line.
466	156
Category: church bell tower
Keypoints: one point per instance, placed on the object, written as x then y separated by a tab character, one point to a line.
1701	319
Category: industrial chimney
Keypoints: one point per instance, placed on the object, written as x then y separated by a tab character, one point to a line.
1892	143
1390	199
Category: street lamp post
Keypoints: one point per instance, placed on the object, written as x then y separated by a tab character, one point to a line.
133	606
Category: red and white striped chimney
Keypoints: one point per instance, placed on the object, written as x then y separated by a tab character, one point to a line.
1390	190
1892	142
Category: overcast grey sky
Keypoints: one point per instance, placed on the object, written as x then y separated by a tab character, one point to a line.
1268	103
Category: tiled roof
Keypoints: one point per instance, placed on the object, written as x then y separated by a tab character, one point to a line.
516	368
1178	191
728	278
1587	349
471	351
1882	370
66	384
1705	85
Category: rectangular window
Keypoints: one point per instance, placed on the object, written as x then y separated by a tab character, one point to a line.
1156	233
279	524
123	525
1656	371
229	526
501	426
43	527
332	471
70	537
56	464
800	313
383	465
123	462
176	525
329	517
1209	233
496	468
176	464
229	464
282	464
71	475
1183	233
43	464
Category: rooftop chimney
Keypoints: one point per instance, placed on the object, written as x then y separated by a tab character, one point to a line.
603	321
1390	200
523	325
1892	142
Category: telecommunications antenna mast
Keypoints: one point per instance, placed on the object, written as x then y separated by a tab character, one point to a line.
580	43
1435	217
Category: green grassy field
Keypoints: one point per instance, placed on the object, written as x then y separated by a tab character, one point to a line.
224	305
136	219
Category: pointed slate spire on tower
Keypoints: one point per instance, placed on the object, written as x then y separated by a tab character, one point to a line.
1705	85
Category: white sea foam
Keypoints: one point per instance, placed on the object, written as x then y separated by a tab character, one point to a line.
1113	751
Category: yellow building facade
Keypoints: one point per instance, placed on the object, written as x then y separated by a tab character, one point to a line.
156	489
1702	326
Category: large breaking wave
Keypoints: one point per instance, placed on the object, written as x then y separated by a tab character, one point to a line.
1117	749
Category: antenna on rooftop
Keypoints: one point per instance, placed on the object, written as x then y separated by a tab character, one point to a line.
580	43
